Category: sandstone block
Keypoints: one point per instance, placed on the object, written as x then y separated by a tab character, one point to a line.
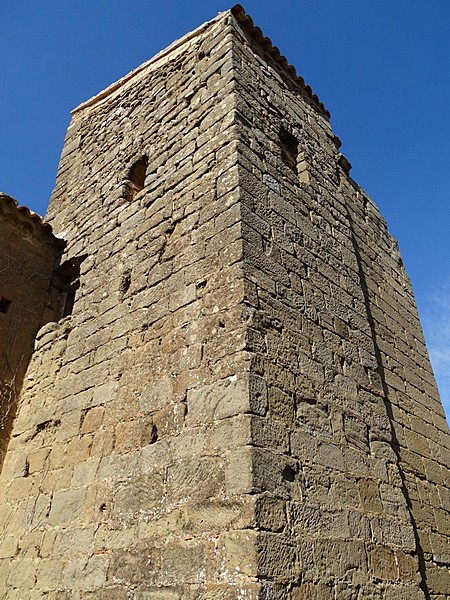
382	563
240	553
66	506
158	594
232	396
8	547
50	571
183	562
86	573
277	555
131	567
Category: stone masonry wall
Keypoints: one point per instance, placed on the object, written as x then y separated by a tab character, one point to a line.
134	403
420	433
349	461
239	404
29	255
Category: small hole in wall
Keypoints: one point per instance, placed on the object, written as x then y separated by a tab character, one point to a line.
47	425
289	149
201	285
102	507
288	474
5	305
125	283
153	434
26	469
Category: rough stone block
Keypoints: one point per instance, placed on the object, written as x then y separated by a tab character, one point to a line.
66	506
86	573
240	553
131	567
183	562
158	594
234	395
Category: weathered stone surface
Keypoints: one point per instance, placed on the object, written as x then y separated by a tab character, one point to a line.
236	403
28	300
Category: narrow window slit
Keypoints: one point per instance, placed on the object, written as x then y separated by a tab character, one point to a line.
136	178
289	149
67	282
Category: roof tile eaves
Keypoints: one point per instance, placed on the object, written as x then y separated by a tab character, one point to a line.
25	214
273	52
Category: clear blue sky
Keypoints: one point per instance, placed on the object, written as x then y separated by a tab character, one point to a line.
382	68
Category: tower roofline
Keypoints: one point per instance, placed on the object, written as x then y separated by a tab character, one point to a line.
270	51
153	63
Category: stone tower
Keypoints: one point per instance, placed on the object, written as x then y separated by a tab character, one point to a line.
236	401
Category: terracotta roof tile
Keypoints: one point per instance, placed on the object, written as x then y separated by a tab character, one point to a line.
272	52
9	207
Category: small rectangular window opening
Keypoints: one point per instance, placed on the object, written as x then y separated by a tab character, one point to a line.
136	178
67	282
292	156
5	305
289	149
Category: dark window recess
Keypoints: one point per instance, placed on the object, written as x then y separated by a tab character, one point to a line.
5	305
125	283
67	282
289	149
136	178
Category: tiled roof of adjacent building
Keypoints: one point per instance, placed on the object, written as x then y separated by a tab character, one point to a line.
9	207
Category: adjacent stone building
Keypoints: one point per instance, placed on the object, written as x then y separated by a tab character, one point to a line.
30	254
231	398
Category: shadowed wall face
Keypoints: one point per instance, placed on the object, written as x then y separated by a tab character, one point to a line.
353	450
28	258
